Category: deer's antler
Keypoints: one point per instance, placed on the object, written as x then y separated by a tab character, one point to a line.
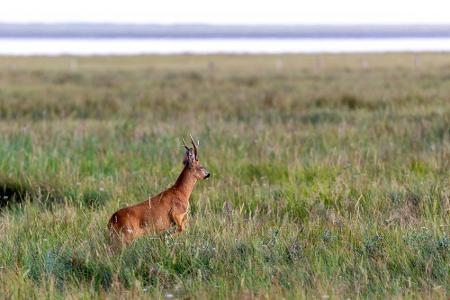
195	146
184	145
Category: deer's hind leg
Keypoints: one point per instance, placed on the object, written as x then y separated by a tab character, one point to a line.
125	233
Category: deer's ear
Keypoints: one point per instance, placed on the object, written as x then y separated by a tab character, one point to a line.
189	156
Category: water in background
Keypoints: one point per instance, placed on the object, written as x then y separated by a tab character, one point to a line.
119	46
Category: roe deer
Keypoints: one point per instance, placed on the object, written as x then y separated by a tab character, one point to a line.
164	210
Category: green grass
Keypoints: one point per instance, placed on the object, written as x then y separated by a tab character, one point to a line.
330	175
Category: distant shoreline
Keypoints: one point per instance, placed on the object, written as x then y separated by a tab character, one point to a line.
196	31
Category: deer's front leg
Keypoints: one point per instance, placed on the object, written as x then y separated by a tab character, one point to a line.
179	217
181	222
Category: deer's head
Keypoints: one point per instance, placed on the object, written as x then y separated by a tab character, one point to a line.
191	161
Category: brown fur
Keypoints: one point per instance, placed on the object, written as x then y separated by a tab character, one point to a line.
162	211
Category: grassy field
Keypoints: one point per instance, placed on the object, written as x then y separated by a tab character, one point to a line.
330	175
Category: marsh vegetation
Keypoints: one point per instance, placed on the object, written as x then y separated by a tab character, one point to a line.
330	175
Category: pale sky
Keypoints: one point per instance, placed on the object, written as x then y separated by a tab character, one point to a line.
229	11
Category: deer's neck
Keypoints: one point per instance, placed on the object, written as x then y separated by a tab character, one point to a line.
185	183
